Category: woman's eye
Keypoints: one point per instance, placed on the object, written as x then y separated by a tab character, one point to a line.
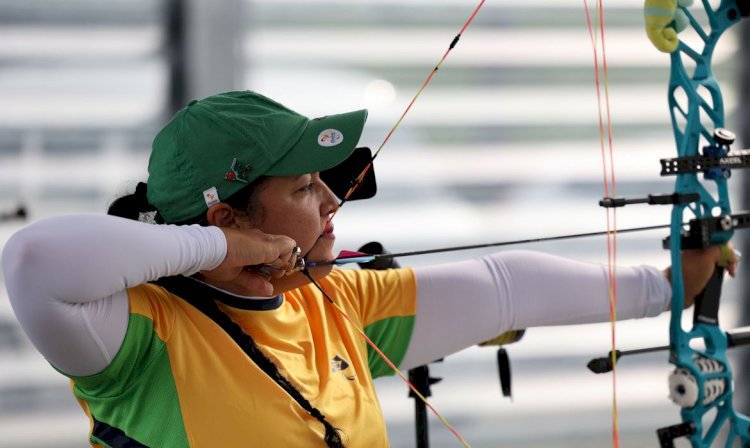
308	187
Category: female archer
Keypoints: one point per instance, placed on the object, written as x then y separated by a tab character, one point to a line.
198	327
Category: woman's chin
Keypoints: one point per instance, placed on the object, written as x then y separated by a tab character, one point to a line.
321	251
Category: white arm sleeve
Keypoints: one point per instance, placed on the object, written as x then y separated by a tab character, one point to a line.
66	279
465	303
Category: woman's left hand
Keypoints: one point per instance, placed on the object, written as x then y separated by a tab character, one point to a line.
698	265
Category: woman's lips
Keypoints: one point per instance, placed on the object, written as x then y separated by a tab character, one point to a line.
328	232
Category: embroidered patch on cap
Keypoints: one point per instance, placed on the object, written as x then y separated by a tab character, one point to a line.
211	196
330	137
236	172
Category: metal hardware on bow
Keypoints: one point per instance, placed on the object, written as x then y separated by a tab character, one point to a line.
701	383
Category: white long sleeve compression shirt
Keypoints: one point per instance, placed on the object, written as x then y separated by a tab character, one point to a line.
67	279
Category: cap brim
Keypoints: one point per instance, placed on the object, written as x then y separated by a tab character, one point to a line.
314	151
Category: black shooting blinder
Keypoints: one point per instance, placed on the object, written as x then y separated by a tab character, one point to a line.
344	175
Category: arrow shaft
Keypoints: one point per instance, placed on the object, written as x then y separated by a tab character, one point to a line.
367	258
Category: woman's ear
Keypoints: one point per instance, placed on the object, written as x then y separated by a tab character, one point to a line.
221	215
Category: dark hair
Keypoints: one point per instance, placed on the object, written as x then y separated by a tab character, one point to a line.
134	205
131	206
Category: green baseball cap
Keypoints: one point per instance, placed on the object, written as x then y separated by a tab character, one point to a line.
214	147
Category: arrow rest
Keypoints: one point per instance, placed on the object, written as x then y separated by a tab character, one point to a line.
708	231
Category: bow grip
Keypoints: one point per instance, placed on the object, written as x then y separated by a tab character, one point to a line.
707	302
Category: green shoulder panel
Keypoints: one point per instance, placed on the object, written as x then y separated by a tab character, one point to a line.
392	336
136	393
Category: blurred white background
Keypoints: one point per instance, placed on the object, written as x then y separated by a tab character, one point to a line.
504	144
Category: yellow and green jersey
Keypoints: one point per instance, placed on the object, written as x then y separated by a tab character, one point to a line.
180	380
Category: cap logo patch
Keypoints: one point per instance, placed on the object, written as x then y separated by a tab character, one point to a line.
211	196
330	137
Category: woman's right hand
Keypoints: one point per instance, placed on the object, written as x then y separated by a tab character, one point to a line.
251	247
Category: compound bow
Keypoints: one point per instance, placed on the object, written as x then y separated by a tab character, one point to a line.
701	383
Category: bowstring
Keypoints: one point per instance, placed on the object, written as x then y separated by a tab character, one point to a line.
357	182
385	358
597	35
